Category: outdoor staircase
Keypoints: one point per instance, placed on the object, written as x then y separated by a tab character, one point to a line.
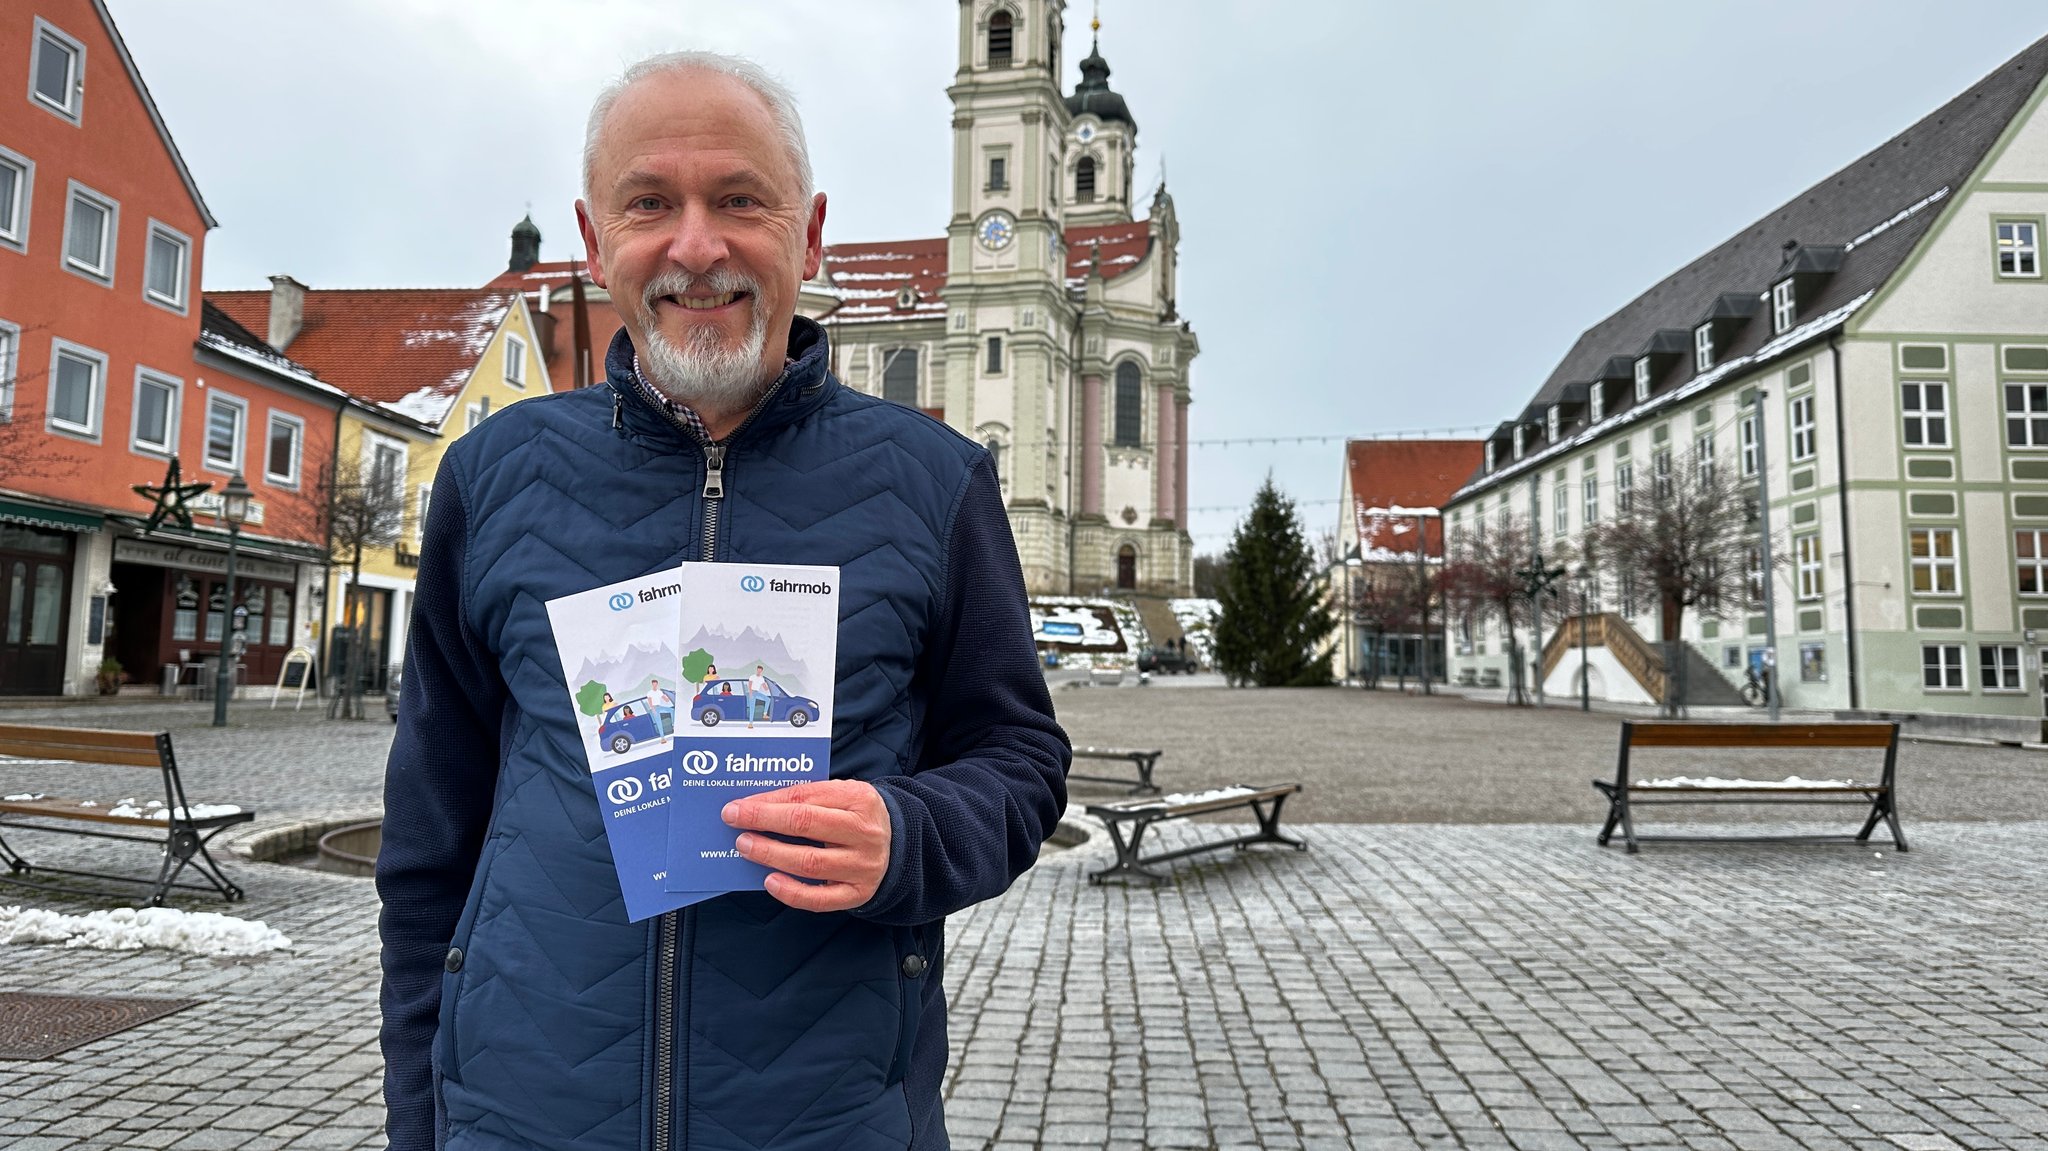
1158	618
1704	685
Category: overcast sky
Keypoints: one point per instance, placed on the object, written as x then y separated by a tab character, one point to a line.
1395	216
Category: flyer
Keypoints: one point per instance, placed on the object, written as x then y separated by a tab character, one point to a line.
619	662
759	645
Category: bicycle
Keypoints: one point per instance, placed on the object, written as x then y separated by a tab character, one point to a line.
1755	688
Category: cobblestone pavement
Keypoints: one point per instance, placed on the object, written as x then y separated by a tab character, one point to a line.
1409	984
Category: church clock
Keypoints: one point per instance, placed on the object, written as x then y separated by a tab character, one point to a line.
996	231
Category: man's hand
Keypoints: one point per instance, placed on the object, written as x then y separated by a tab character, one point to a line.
848	826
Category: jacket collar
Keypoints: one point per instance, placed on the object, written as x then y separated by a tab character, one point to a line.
805	384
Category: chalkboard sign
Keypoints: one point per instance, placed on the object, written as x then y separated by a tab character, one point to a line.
295	674
96	621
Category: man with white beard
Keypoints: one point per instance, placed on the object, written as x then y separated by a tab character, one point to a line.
521	1008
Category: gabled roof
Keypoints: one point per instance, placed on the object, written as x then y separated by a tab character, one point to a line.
545	276
1405	474
1875	210
163	130
409	349
867	278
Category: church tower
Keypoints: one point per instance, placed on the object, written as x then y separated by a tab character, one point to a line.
1102	142
1010	321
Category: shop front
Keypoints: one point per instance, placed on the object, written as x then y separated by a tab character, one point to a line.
40	561
172	613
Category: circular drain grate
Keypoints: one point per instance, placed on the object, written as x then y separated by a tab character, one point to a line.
35	1026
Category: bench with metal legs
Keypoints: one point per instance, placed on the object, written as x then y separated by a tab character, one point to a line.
1128	820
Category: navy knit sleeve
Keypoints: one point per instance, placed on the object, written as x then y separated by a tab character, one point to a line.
991	781
438	789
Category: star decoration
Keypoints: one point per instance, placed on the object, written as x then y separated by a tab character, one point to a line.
170	498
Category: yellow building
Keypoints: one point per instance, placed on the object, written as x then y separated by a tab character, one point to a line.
429	364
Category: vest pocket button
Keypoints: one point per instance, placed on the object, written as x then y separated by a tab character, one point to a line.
913	966
454	961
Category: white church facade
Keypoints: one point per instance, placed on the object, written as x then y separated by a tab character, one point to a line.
1042	324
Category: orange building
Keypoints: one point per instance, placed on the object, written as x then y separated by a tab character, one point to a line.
109	371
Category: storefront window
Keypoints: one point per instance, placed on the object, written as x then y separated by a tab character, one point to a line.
42	626
185	616
15	587
216	611
280	617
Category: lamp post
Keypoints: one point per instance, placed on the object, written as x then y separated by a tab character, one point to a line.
1352	562
1584	576
234	508
1536	583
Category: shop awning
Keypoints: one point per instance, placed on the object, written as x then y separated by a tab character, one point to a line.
58	518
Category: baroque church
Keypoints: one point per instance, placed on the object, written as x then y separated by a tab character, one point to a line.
1042	324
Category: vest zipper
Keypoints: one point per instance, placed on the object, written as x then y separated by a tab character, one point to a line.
667	963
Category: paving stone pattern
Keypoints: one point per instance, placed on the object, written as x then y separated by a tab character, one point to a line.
1405	985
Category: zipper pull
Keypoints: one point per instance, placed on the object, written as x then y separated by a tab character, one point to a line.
714	471
618	412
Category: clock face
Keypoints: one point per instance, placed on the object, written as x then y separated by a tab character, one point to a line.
1085	132
997	231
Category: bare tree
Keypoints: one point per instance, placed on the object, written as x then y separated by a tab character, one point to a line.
1691	539
365	510
1481	581
26	446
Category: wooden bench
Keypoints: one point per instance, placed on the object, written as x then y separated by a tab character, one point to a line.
1625	794
1129	819
179	832
1143	760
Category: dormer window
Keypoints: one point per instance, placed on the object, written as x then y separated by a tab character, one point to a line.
1642	379
1599	401
1553	423
1784	307
1489	455
1703	347
1001	35
1518	441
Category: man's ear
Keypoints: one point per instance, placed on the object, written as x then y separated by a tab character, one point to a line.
591	255
814	237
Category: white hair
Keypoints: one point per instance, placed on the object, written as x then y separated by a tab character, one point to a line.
780	100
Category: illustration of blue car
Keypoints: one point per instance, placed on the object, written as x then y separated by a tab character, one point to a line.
722	699
635	721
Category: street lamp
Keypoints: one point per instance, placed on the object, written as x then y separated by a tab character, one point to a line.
234	508
1352	562
1584	576
1536	583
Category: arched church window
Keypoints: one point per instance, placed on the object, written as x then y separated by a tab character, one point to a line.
995	459
899	376
1001	34
1130	403
1127	567
1084	180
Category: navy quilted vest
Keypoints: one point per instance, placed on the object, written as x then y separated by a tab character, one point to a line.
738	1023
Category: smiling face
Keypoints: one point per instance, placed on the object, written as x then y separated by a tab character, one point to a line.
698	225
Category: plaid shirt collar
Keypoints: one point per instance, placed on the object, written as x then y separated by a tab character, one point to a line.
655	396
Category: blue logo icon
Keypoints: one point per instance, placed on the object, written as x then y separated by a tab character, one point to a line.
752	583
622	601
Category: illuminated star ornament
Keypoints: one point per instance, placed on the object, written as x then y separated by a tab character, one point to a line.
170	498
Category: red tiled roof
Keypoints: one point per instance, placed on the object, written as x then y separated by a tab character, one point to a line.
544	276
868	277
1406	474
411	349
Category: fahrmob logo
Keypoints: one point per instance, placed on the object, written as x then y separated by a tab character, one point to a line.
752	583
787	587
700	762
622	601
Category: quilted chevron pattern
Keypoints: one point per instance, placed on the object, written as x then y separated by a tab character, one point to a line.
547	1031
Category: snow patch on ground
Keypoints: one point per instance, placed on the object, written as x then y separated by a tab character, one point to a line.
132	929
1715	781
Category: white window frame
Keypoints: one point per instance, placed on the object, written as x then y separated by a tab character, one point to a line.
1489	455
148	377
1589	485
515	361
368	466
72	111
241	408
1753	575
1599	401
1784	307
1999	669
287	479
2030	418
110	234
1809	562
1553	423
1943	573
425	500
1660	473
182	302
1944	662
2037	564
1624	487
1745	436
1923	413
22	208
10	364
1703	456
97	401
2026	253
1518	441
1703	347
1561	505
1642	379
1802	428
